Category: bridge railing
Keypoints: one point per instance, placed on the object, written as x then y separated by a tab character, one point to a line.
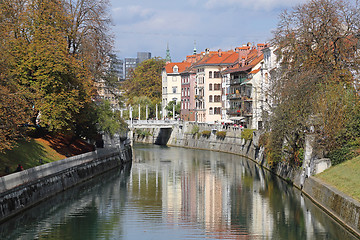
154	122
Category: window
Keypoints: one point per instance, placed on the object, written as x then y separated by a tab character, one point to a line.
217	98
175	69
217	86
210	74
174	89
210	87
211	112
216	74
217	110
210	98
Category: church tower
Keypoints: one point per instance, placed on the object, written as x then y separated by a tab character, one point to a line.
168	58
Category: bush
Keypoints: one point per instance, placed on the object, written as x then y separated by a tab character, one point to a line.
247	134
143	133
221	134
195	130
340	155
206	134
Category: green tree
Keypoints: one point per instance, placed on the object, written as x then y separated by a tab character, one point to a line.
145	80
170	108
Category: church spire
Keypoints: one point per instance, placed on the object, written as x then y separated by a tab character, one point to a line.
194	52
168	58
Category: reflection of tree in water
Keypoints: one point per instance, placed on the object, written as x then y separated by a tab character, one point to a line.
72	213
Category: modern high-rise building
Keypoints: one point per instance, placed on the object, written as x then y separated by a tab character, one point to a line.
132	63
143	56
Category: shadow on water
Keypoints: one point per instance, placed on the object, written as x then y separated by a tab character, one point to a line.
57	215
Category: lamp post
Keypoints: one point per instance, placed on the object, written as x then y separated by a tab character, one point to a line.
156	113
139	112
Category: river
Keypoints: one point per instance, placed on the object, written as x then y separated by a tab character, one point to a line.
178	193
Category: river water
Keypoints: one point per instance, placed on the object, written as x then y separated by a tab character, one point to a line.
178	193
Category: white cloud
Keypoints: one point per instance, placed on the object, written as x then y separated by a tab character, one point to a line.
131	14
253	4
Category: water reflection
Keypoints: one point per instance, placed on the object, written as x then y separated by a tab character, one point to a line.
176	193
226	196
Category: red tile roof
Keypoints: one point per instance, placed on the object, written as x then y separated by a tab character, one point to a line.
181	65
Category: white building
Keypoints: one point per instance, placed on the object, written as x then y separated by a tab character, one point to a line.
171	83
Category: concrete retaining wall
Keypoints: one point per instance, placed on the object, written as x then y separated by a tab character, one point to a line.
341	207
24	189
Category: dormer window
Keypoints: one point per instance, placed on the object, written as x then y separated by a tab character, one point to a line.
175	69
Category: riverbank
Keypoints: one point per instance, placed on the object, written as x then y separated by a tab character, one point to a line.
38	151
341	207
24	189
345	177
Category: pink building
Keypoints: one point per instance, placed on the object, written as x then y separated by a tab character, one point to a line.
188	78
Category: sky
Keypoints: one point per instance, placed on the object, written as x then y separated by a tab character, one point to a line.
152	25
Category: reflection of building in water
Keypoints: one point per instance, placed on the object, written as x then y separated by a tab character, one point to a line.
209	192
262	221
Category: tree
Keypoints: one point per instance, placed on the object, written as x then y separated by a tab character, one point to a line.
317	49
12	117
145	80
87	34
170	108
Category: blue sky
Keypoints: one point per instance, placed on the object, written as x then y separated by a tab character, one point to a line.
149	25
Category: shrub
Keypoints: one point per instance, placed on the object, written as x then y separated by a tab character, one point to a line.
221	134
206	134
143	133
194	130
341	155
247	134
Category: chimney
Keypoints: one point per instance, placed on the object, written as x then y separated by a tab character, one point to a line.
219	52
207	51
243	61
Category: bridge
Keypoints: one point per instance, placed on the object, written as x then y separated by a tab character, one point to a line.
153	123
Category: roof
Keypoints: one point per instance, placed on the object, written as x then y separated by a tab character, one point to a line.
169	68
218	58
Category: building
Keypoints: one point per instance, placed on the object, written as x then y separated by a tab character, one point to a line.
188	83
246	87
131	63
171	83
208	90
143	56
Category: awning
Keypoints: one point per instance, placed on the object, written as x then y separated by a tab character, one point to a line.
237	118
227	121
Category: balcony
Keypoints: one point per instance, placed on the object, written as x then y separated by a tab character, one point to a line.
199	97
234	111
233	96
238	96
237	81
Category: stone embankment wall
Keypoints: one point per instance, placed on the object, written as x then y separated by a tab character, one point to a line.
24	189
342	208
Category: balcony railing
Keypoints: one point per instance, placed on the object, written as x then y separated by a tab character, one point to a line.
238	96
237	81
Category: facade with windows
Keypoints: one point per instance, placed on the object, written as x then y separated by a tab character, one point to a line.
208	91
187	95
246	96
171	83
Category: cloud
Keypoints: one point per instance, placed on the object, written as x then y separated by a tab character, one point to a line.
132	14
253	4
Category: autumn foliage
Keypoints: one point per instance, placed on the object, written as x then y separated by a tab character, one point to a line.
51	52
